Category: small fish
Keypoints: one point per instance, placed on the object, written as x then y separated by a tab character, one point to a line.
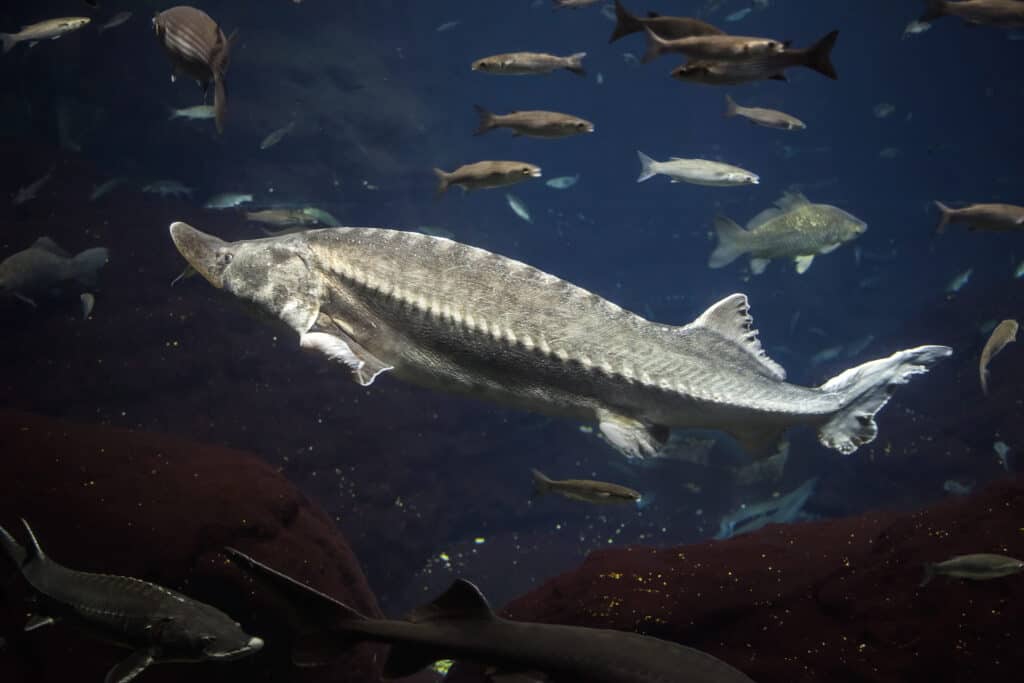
166	188
958	282
227	200
883	110
277	136
915	27
976	567
51	29
574	4
200	112
518	207
563	182
534	124
324	217
780	509
584	490
668	28
1001	13
1004	333
105	188
825	355
88	303
115	21
958	487
992	217
769	118
1003	453
1019	271
719	48
695	171
527	63
45	265
436	232
28	193
739	15
282	217
447	26
486	175
198	48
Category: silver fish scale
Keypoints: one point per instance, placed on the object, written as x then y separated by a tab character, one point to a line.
507	311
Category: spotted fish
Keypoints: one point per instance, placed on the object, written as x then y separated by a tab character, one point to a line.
449	316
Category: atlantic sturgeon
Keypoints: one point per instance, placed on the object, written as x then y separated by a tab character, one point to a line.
446	315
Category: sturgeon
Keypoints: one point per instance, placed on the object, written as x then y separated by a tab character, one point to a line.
450	316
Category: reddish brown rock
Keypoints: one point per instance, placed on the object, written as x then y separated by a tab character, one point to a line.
161	509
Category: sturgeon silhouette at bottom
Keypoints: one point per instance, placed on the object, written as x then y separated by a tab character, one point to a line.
449	316
460	625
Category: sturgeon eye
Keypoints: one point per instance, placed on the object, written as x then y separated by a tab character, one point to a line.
224	258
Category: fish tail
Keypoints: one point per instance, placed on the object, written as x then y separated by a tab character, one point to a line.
541	484
86	263
442	182
929	574
9	41
220	101
646	167
625	23
819	56
574	63
730	107
865	389
731	242
486	120
14	550
655	46
947	213
934	9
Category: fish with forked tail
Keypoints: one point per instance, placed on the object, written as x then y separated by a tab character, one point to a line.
534	124
44	265
461	625
584	490
991	217
668	28
529	63
1001	13
485	175
156	623
975	567
197	48
817	57
449	316
51	29
1004	333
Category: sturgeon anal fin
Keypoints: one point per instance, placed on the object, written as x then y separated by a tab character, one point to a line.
631	437
340	347
36	621
758	265
405	660
130	668
462	600
803	263
731	318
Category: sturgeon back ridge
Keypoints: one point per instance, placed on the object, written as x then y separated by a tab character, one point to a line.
450	316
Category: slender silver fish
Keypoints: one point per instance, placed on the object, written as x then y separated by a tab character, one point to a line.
527	63
1004	333
769	118
51	29
584	490
975	567
450	316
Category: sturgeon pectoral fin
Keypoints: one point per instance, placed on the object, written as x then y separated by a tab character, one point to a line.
758	265
130	668
36	621
338	346
803	263
631	437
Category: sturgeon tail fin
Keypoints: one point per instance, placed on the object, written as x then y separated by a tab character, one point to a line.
730	107
819	56
929	574
730	242
14	550
947	213
934	9
625	23
865	389
9	41
541	484
647	170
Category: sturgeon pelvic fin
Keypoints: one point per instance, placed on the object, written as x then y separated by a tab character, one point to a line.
129	669
340	347
866	389
631	437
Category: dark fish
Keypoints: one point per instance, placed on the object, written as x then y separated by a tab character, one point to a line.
534	124
817	57
725	73
156	623
1002	13
197	48
669	28
584	490
484	175
994	217
460	625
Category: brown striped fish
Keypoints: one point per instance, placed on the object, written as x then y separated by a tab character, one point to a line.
198	48
1004	333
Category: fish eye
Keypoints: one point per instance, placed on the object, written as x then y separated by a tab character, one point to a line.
224	258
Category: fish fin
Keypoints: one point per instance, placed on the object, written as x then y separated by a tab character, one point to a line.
803	263
128	669
220	101
35	553
442	182
575	64
625	23
14	550
759	265
405	660
730	107
829	248
47	244
9	41
21	297
35	621
631	437
933	10
819	56
865	389
88	262
946	214
655	46
340	347
731	242
541	484
646	167
486	120
762	218
462	600
791	200
730	318
929	574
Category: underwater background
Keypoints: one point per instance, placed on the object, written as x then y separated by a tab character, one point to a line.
416	487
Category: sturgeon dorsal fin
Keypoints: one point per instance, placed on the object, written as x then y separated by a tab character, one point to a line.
37	551
730	318
47	244
462	600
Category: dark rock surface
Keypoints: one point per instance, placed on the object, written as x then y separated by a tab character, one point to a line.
161	509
